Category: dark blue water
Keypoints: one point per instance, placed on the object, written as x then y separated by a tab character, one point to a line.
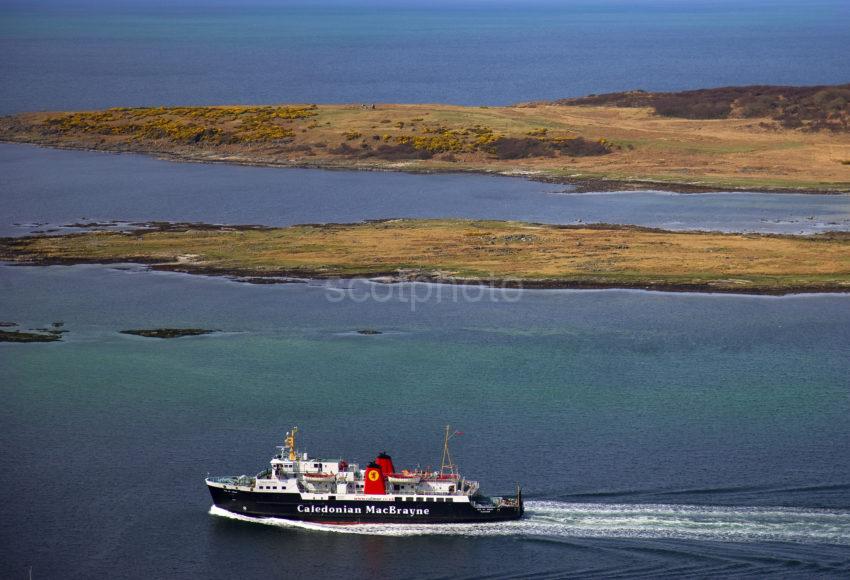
45	189
654	433
84	54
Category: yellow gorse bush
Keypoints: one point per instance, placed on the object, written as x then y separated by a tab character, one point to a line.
187	124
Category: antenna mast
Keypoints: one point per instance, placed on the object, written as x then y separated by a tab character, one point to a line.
446	464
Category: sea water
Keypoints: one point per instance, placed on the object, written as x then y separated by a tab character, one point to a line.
654	434
48	190
87	54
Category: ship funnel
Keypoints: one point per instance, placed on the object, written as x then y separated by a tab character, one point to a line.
375	480
385	462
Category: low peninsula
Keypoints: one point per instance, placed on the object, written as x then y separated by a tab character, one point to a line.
500	253
759	138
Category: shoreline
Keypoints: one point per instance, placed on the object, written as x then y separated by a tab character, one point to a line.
580	184
288	277
509	255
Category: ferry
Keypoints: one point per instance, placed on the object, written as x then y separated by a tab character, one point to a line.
333	491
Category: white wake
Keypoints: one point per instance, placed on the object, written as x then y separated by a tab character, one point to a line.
601	520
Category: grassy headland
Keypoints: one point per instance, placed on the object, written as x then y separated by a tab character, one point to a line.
765	138
516	253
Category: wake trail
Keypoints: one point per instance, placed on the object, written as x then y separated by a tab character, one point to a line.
557	519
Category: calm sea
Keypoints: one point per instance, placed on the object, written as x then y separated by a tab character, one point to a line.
655	434
78	54
46	189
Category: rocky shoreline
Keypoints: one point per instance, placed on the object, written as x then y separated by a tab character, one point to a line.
167	332
52	334
20	336
288	276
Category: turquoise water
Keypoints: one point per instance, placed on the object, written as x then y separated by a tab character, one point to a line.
656	430
653	432
84	54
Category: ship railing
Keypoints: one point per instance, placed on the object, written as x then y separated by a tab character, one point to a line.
233	480
455	493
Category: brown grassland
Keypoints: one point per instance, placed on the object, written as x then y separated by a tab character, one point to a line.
626	144
531	255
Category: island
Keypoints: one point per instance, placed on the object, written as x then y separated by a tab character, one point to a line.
761	138
167	332
20	336
501	253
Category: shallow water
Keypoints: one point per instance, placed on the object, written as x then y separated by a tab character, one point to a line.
653	433
44	189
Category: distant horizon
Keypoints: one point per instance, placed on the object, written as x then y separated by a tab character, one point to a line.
92	54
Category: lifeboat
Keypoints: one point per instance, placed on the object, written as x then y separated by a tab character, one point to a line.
318	477
404	478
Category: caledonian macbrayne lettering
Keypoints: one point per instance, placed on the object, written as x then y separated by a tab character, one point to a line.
370	509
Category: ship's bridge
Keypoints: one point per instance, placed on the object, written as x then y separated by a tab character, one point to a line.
311	465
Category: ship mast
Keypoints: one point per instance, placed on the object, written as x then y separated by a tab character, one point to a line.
289	443
446	464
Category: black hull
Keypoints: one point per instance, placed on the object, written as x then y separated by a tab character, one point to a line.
290	506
